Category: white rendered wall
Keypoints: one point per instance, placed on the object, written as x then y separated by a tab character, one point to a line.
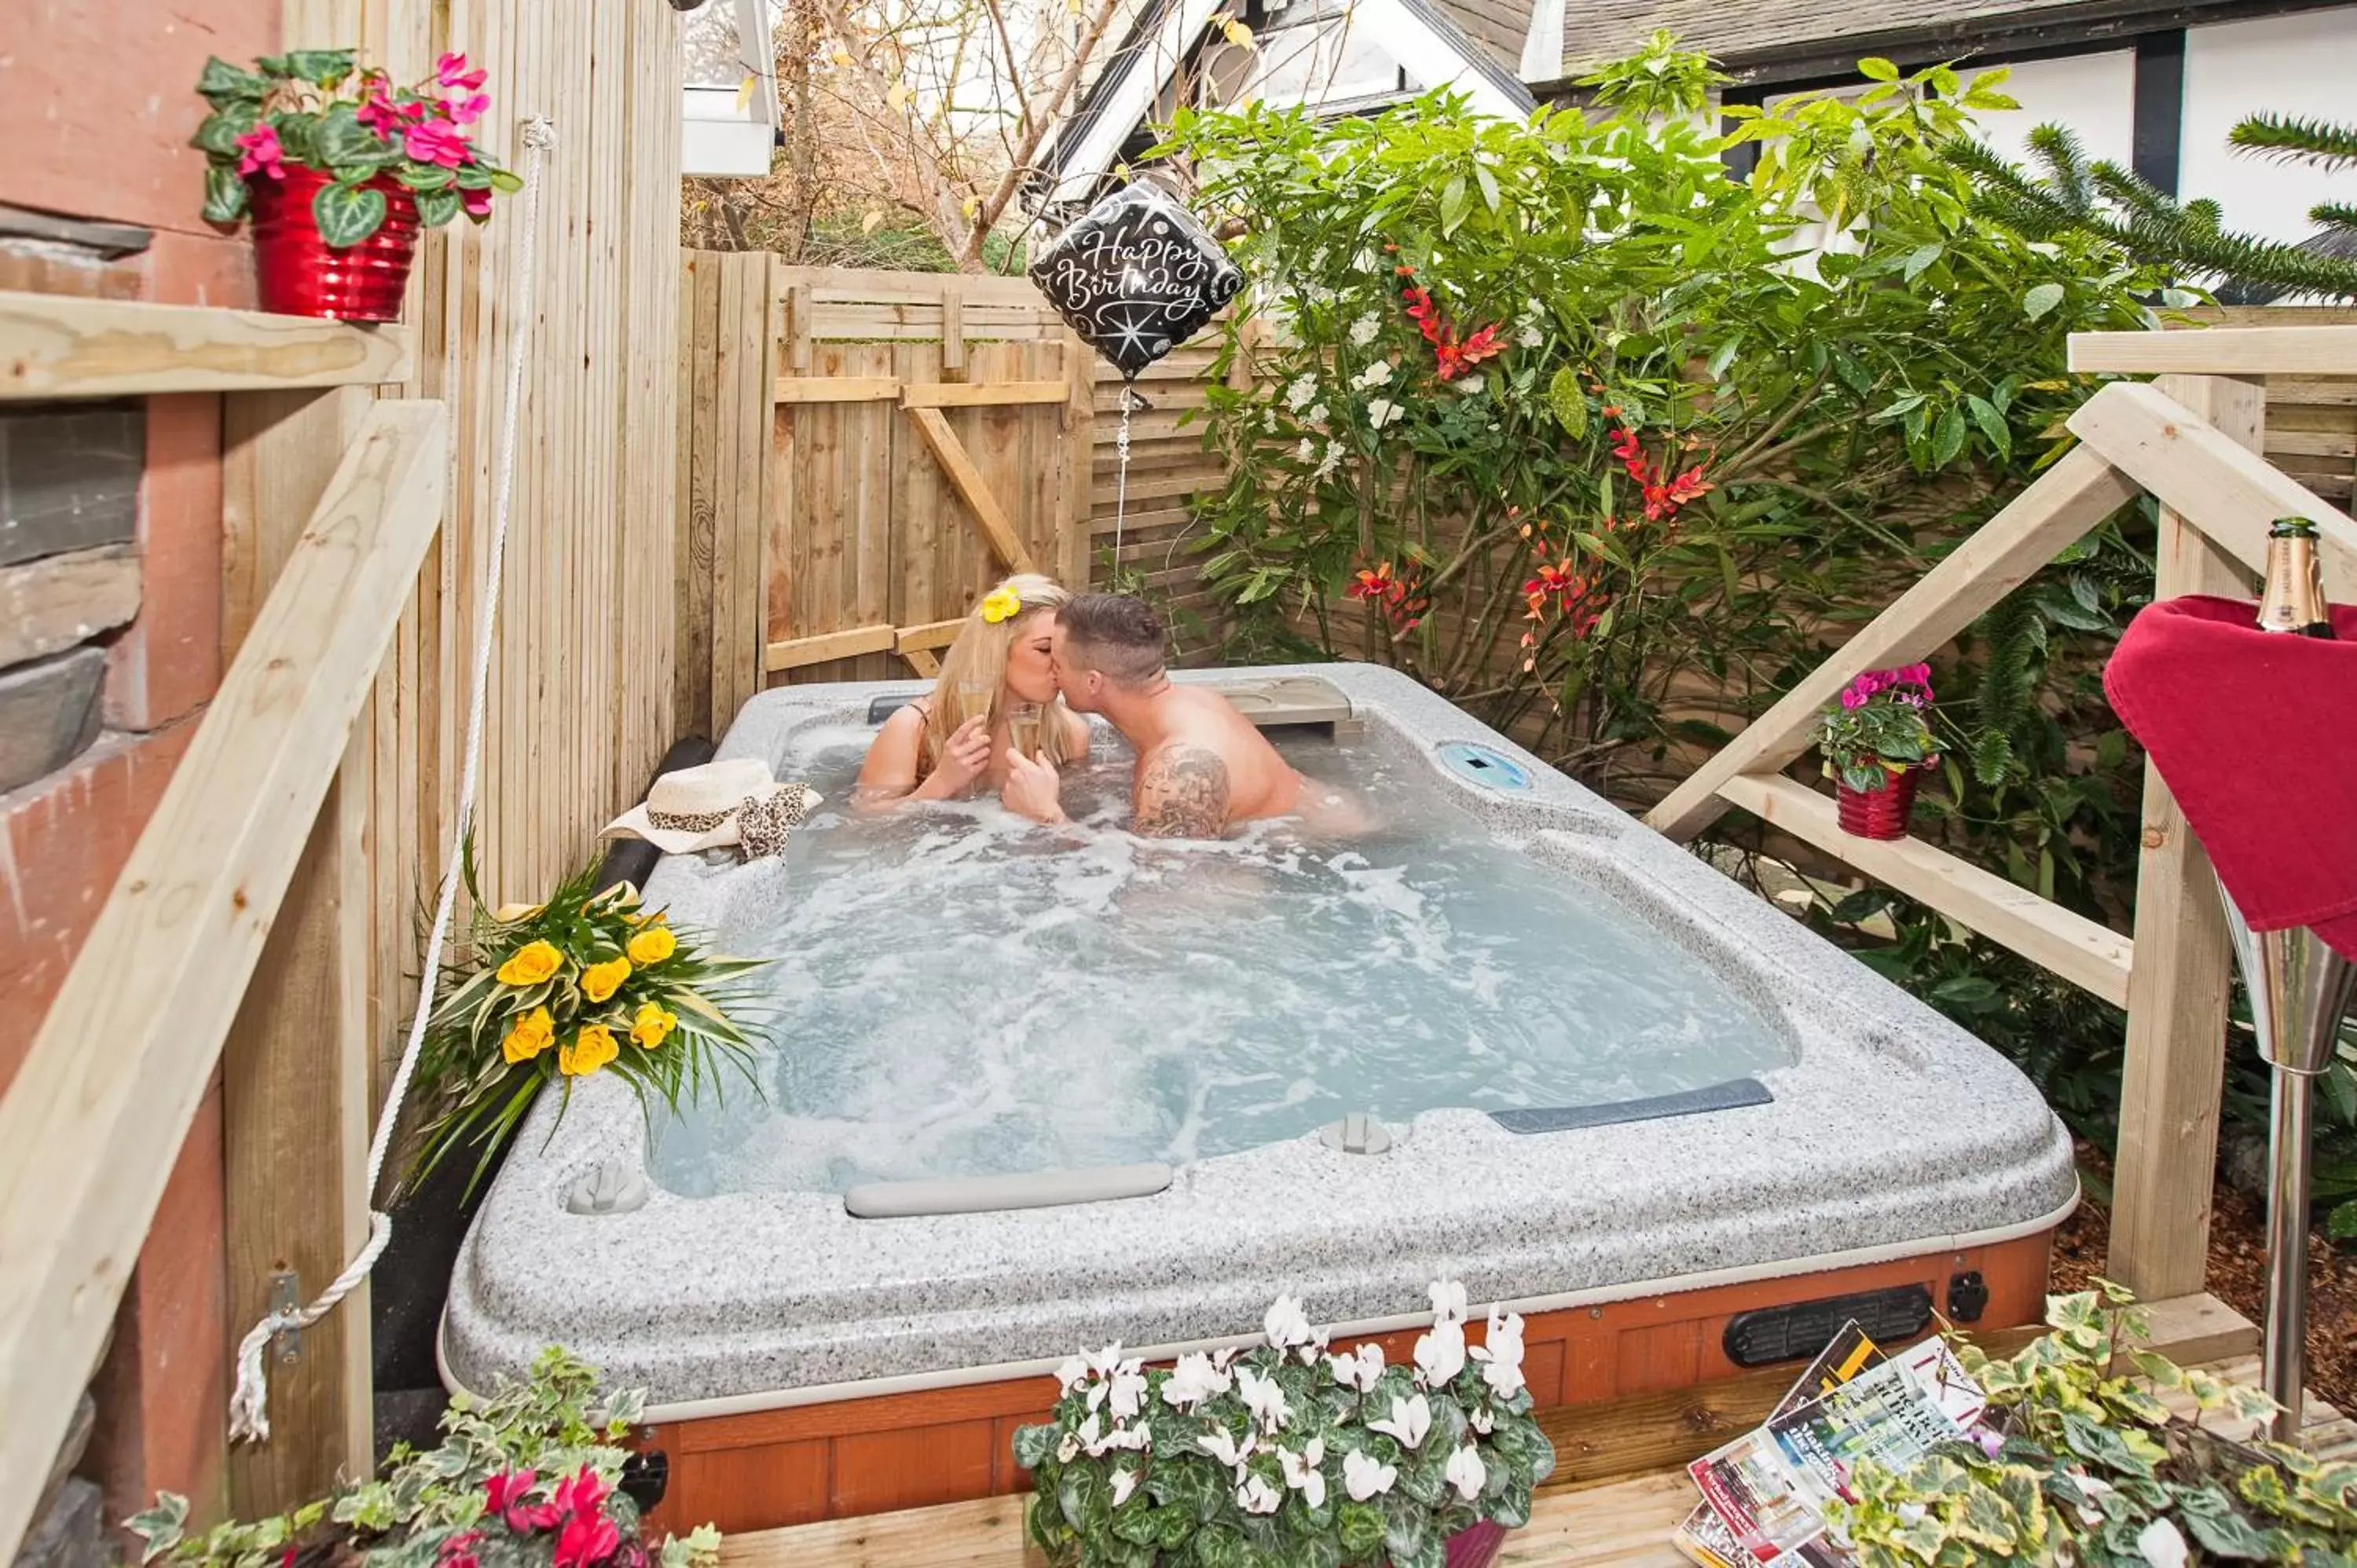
2092	94
2303	65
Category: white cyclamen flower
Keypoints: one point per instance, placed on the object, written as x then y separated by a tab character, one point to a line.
1256	1495
1363	331
1124	1481
1466	1473
1227	1450
1440	1355
1358	1371
1448	1301
1482	1420
1127	1395
1502	1357
1382	412
1287	1325
1263	1399
1194	1379
1072	1373
1068	1449
1302	1473
2159	1544
1410	1419
1364	1476
1298	395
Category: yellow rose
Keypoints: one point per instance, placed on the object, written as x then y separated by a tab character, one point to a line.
653	945
600	981
654	1025
1000	604
530	963
532	1033
587	1051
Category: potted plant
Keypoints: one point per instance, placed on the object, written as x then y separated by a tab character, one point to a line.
1288	1453
339	169
2078	1461
555	992
1877	743
534	1477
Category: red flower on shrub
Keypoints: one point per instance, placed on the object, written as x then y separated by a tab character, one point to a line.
506	1497
1400	601
1452	357
587	1536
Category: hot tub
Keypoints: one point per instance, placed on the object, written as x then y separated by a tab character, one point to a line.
1101	1089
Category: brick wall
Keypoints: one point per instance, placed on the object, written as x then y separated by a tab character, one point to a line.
110	619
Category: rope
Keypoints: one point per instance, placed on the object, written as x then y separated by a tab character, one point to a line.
1120	475
249	1414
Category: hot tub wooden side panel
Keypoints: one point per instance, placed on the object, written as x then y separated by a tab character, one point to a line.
848	1457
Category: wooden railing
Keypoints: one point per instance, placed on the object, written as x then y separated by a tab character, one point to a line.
250	848
2193	440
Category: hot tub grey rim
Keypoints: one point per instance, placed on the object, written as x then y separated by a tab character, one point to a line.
708	1298
756	1402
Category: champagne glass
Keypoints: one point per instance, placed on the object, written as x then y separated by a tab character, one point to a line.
1023	729
974	698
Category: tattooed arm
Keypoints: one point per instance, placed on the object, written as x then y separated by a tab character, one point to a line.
1183	793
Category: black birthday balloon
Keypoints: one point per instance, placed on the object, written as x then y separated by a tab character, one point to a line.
1136	277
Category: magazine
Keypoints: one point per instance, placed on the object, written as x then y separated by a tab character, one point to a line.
1770	1487
1705	1537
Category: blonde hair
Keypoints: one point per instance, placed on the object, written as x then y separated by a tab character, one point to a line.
978	657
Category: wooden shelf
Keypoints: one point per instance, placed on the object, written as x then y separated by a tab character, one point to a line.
56	346
2088	955
2220	351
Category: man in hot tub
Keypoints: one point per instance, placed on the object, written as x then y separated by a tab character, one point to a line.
1201	766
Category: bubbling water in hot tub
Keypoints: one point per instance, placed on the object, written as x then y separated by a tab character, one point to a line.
959	992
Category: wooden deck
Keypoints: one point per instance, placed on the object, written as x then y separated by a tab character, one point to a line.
1620	1523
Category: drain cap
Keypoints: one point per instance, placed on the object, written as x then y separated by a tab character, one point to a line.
612	1188
1357	1133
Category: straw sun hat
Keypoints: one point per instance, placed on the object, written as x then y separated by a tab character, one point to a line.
716	805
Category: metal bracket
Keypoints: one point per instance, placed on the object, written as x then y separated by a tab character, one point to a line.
285	1295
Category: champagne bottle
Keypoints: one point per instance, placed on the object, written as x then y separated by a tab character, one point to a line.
2293	596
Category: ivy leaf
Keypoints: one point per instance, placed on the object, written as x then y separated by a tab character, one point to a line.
347	214
1568	402
2041	299
224	194
223	85
436	207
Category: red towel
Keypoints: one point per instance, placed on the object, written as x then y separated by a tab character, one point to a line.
2256	732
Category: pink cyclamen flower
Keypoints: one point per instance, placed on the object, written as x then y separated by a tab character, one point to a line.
377	111
1852	699
451	71
261	153
504	1495
459	1552
1989	1441
476	202
436	143
589	1536
466	112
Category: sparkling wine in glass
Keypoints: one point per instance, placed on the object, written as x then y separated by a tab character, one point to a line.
1023	729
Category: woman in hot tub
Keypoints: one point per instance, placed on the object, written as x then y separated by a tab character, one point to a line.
996	692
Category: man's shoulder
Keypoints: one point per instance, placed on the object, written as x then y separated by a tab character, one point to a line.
1182	790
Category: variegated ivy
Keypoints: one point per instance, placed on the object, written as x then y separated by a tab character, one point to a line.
2083	1463
319	109
1287	1454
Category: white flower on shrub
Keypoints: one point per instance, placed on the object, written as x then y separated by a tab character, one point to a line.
1318	415
1440	1355
1359	1372
1194	1379
1254	1495
1363	331
1469	384
1124	1481
1410	1419
1382	412
1530	335
1227	1450
1068	1449
1364	1476
1302	1473
1375	375
1263	1399
1308	451
1127	1391
1466	1473
1268	417
1482	1420
1072	1373
1298	395
1448	1302
2159	1544
1332	460
1134	1438
1286	1324
1502	1356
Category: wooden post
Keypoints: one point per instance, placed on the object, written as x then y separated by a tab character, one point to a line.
2178	982
953	363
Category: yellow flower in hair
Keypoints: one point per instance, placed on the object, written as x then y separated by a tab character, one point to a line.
654	1025
652	945
1001	604
533	1033
530	963
587	1051
600	981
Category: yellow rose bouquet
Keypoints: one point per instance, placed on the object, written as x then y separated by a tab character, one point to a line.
586	982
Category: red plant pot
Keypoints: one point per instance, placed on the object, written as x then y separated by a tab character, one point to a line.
302	275
1882	814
